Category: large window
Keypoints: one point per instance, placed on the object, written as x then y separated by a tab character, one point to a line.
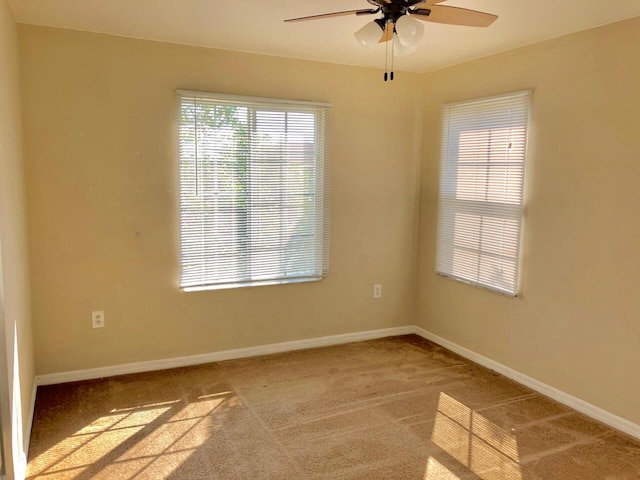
481	191
253	190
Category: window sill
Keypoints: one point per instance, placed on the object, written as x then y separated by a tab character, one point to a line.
481	286
225	286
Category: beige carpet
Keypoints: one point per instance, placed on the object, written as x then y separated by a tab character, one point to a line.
396	408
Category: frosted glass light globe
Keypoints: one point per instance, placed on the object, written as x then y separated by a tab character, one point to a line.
369	35
402	50
409	30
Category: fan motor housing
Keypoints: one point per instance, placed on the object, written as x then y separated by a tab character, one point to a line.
393	10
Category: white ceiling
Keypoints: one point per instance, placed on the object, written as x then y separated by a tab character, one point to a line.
257	26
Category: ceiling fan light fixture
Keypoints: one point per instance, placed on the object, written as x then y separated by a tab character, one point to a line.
409	30
368	35
400	30
402	50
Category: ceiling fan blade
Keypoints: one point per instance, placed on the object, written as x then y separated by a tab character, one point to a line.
334	14
454	16
387	34
411	3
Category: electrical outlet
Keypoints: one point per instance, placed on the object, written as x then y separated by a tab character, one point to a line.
97	319
377	291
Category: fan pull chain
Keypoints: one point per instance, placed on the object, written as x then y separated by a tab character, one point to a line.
393	49
386	54
388	75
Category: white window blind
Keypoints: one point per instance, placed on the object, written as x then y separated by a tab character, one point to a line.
254	190
480	206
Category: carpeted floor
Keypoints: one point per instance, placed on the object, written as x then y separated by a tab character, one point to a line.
396	408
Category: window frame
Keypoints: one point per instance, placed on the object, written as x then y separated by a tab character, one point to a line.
450	200
322	113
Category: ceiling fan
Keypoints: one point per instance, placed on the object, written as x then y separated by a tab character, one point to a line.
396	21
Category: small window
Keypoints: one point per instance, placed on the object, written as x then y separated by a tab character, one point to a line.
254	202
484	144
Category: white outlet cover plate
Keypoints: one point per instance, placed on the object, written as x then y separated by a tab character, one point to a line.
97	319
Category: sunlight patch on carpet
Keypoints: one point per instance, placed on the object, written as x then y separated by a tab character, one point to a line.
132	440
484	448
437	471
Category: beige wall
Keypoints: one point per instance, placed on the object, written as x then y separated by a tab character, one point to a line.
576	325
101	174
100	121
14	270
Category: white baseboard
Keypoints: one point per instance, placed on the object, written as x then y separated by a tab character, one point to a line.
582	406
32	408
21	470
149	366
576	403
